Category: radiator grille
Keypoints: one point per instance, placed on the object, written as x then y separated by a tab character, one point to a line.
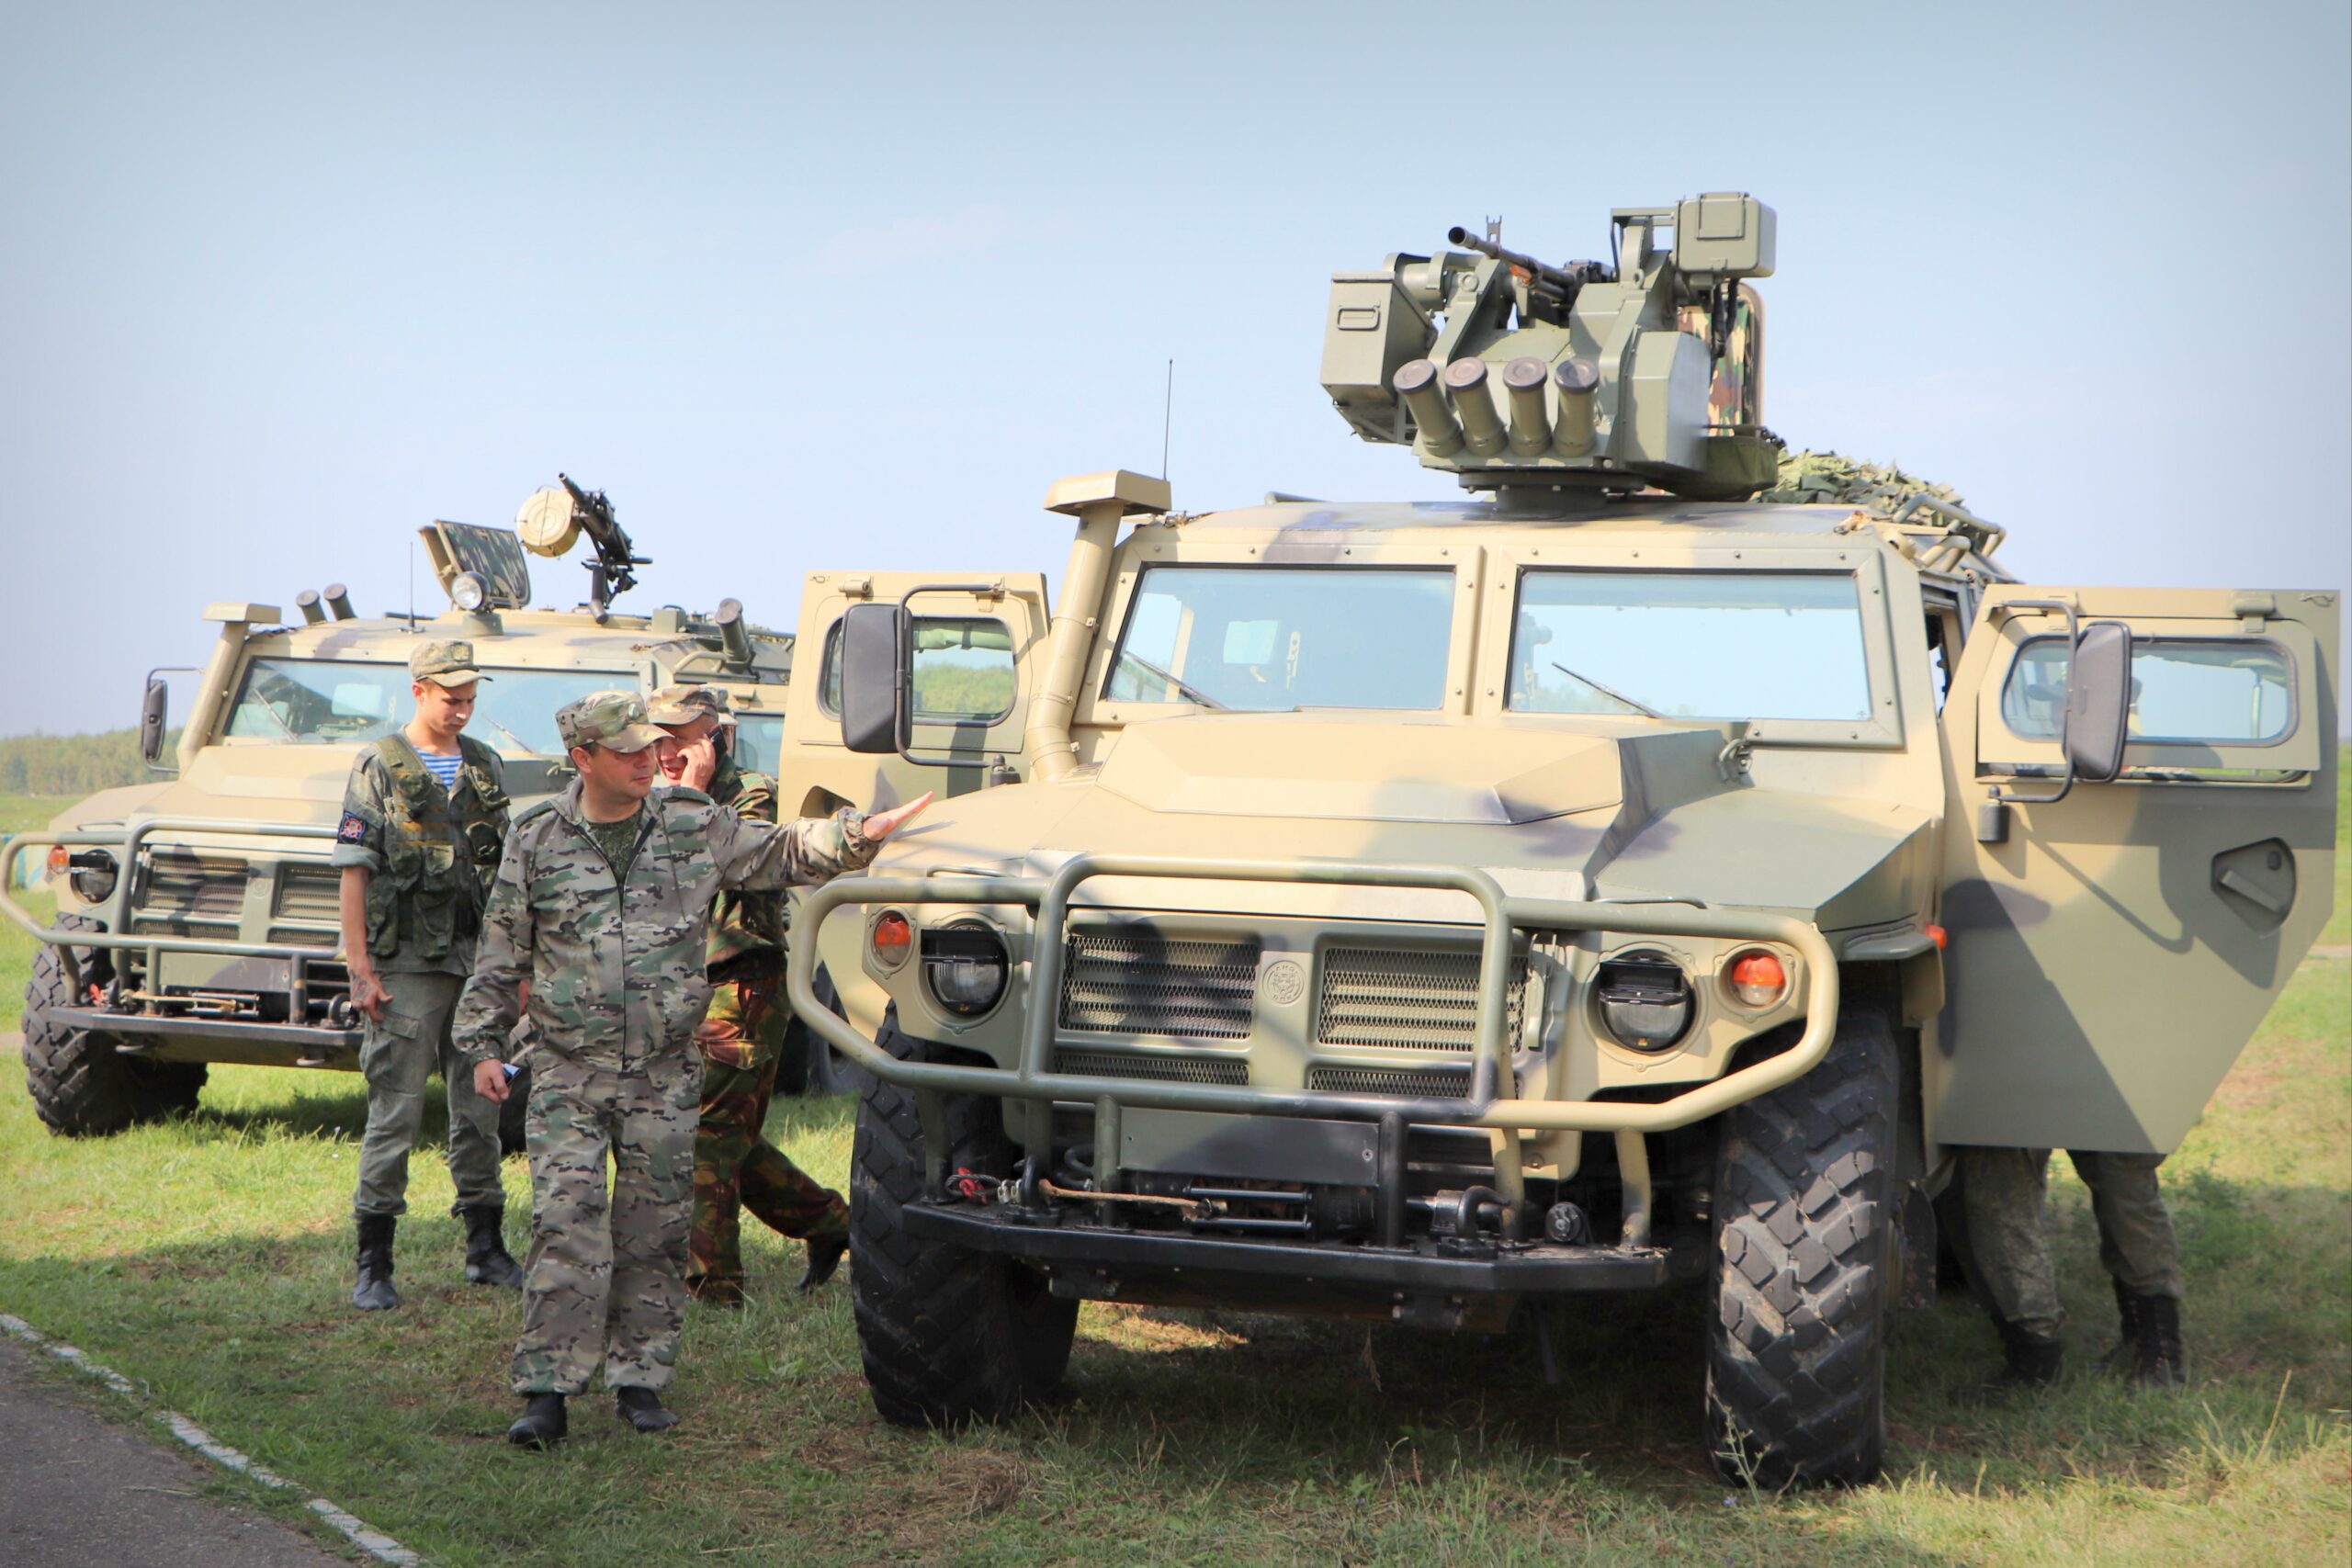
1158	1070
1442	1083
310	893
185	889
1135	984
1428	1001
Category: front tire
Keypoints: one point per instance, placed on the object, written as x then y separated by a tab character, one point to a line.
81	1085
948	1335
1804	1233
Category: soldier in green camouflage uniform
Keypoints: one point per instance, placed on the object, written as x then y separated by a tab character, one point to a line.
423	814
603	905
2003	1193
741	1038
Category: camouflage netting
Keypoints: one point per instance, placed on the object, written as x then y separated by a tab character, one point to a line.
1820	477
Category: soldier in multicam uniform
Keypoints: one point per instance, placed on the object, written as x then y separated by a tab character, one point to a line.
2003	1193
603	906
423	816
741	1038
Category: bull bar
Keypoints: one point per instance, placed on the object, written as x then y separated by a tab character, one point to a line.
1033	1078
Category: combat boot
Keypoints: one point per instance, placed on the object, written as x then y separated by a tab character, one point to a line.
374	1292
2028	1362
2127	1317
2158	1360
487	1260
642	1408
543	1422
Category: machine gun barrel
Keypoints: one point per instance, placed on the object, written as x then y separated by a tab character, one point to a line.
1562	281
610	572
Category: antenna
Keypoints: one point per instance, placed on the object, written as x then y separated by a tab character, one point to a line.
1166	412
412	585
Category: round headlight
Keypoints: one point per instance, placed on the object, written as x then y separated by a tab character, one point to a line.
90	872
1644	1000
964	965
467	592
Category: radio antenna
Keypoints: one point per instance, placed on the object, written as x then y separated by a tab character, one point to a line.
1166	412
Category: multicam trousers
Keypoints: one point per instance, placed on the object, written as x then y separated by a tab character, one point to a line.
604	1280
397	1054
736	1167
2004	1194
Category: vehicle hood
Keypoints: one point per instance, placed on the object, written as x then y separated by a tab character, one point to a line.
1600	811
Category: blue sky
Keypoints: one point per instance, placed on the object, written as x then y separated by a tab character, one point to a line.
821	288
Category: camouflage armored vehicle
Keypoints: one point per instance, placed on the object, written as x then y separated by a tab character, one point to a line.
1602	881
201	909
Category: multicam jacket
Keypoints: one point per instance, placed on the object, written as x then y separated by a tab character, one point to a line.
616	971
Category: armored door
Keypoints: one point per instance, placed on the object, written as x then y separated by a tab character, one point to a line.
2111	949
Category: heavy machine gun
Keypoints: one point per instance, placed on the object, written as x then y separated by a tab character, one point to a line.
1522	376
552	521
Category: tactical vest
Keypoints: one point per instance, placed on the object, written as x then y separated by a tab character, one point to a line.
747	929
438	861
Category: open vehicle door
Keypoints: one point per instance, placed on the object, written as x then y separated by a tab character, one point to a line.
2113	944
975	669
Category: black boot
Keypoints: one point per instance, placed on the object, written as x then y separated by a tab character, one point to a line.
2158	1360
487	1262
2127	1318
543	1422
824	1256
374	1292
642	1408
2027	1361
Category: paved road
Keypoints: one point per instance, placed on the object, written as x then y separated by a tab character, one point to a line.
76	1489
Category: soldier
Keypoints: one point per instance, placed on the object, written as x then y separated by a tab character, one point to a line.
2002	1192
741	1038
423	816
603	906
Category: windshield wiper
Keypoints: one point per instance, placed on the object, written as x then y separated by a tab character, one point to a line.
1608	691
1192	693
524	747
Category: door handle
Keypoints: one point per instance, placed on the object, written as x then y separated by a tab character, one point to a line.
2246	887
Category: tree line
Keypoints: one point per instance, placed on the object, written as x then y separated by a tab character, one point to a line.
71	765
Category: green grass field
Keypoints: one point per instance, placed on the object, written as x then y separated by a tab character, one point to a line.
209	1260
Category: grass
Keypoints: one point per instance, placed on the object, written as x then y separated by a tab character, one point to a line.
207	1260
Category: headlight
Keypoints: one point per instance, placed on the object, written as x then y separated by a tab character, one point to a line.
1644	1000
964	965
467	592
90	872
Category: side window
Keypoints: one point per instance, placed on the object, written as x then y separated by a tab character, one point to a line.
759	742
963	669
2185	690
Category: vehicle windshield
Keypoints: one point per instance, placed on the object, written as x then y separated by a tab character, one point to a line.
1273	638
317	702
1691	645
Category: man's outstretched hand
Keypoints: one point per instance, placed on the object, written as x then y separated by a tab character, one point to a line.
880	825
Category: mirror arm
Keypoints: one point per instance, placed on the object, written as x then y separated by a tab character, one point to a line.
2065	711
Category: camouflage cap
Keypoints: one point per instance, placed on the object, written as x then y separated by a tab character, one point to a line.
615	720
684	704
445	665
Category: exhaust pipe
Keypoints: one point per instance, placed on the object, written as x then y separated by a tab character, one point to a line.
731	635
1531	428
306	602
1415	383
1482	427
1572	430
338	599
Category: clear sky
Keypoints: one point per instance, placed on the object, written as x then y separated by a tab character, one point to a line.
811	288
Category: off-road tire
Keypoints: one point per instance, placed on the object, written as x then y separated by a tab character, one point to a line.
512	1112
1804	1230
81	1085
949	1336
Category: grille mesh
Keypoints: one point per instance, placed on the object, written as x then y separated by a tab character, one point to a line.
310	893
1158	1070
1387	997
185	889
1133	984
1448	1083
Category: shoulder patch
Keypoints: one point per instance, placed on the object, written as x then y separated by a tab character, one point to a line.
353	830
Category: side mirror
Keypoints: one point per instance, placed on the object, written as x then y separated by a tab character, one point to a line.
875	717
2099	701
152	709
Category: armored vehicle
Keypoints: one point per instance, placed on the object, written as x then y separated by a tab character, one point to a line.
1605	880
197	914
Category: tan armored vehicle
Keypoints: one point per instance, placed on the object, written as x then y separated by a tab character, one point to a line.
1602	881
201	909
